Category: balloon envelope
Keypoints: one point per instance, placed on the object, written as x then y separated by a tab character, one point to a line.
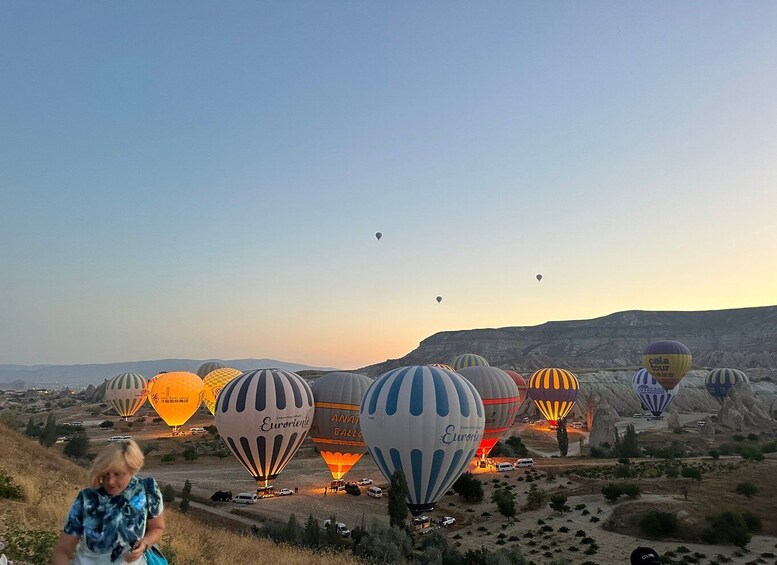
126	393
650	393
441	366
176	396
501	400
425	421
539	277
335	430
208	367
214	382
378	235
468	360
667	361
554	391
439	299
719	381
263	416
520	382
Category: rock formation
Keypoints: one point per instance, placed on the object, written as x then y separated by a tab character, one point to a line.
673	421
741	409
707	432
602	427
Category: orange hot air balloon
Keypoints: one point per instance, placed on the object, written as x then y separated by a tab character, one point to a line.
554	391
520	382
176	396
214	382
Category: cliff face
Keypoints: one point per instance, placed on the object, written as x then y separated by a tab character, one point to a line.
744	338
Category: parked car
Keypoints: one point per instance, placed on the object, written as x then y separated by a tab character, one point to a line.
375	492
285	492
195	431
340	528
447	521
637	415
245	498
353	489
363	482
577	425
119	438
221	496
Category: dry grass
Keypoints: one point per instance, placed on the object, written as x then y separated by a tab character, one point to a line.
50	482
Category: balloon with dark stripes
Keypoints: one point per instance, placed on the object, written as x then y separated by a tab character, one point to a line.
426	422
554	391
263	417
208	367
667	361
126	393
468	360
719	381
650	393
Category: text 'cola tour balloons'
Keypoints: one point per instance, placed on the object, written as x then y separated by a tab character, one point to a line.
539	277
468	360
378	235
439	299
426	422
176	396
719	381
554	391
501	400
214	382
520	382
650	393
208	367
667	361
126	393
335	430
263	417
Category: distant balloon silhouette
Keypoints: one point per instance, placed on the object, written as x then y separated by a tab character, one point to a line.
468	360
378	236
208	367
439	299
539	277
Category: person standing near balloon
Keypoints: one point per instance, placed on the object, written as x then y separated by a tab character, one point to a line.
117	518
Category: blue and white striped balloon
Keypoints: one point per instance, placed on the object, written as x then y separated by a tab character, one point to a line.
651	393
426	421
263	416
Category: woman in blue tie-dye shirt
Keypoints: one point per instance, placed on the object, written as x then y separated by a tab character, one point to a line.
118	518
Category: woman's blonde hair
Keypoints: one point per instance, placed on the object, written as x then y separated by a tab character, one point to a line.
115	456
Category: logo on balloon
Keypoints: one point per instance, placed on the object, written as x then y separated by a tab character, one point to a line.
659	363
451	435
268	423
647	389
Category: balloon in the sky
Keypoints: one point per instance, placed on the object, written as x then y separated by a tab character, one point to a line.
441	366
520	382
126	393
208	367
378	235
176	396
468	360
539	277
667	361
501	400
554	391
263	416
439	299
719	381
650	393
335	430
426	421
214	382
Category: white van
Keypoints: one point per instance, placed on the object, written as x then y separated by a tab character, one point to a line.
340	528
504	467
245	498
528	462
375	492
195	431
119	438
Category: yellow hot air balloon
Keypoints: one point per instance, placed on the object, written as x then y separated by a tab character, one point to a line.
554	391
667	361
214	382
176	396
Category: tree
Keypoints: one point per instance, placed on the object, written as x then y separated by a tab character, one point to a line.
77	446
562	437
48	436
32	430
505	501
628	447
292	533
312	535
747	489
558	502
331	536
397	508
469	487
535	498
168	493
612	491
385	545
518	447
186	494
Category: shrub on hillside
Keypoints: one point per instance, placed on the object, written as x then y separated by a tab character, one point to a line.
657	524
9	489
730	527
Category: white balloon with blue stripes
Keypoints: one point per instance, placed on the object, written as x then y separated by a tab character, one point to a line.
425	421
651	393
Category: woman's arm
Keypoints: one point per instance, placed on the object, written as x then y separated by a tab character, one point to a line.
155	527
65	549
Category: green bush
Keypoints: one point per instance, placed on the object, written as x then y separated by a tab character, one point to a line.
730	527
30	546
190	454
746	489
8	489
691	473
169	457
168	493
657	524
750	452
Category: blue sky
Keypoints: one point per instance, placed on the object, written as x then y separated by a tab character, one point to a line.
192	179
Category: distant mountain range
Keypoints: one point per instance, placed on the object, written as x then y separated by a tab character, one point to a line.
76	376
744	338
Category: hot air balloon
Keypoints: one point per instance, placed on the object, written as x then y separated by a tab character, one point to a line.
539	277
425	421
500	401
667	361
520	382
208	367
650	393
214	382
176	396
439	299
263	416
719	381
335	430
441	366
554	391
126	393
378	235
468	360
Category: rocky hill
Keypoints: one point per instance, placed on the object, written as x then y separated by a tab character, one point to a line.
744	338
